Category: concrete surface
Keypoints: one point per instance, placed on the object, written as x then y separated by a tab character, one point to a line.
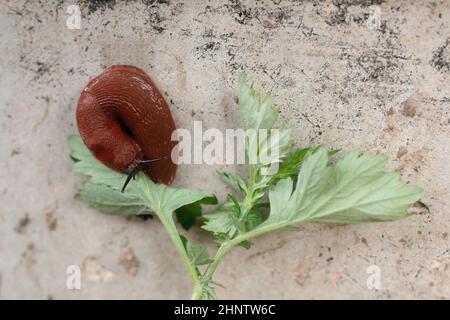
341	78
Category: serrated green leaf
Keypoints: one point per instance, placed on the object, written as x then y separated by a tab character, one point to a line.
111	201
275	145
355	190
291	165
184	241
235	205
262	205
187	215
253	219
245	244
256	113
165	200
102	191
234	180
221	222
208	293
198	254
78	150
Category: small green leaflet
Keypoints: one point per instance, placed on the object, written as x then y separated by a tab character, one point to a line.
187	215
235	180
275	145
222	222
197	253
258	114
290	167
255	113
111	201
355	190
102	190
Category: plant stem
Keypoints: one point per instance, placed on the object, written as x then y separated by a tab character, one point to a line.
193	273
247	204
196	293
227	245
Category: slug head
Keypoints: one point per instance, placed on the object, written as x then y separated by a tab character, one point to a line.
135	167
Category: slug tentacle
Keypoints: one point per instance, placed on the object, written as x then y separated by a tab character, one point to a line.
134	168
126	123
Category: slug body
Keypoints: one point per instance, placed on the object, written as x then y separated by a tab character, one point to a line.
126	123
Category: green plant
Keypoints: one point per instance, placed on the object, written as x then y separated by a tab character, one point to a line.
306	188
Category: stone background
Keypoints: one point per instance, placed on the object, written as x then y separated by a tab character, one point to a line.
341	80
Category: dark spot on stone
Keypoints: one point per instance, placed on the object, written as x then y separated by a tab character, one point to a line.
404	242
376	66
267	16
155	18
330	259
42	69
441	57
239	12
208	48
210	45
208	34
51	220
95	5
22	224
15	152
409	107
364	241
154	2
129	261
342	16
344	99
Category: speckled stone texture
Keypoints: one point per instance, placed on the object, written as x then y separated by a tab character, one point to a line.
340	80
